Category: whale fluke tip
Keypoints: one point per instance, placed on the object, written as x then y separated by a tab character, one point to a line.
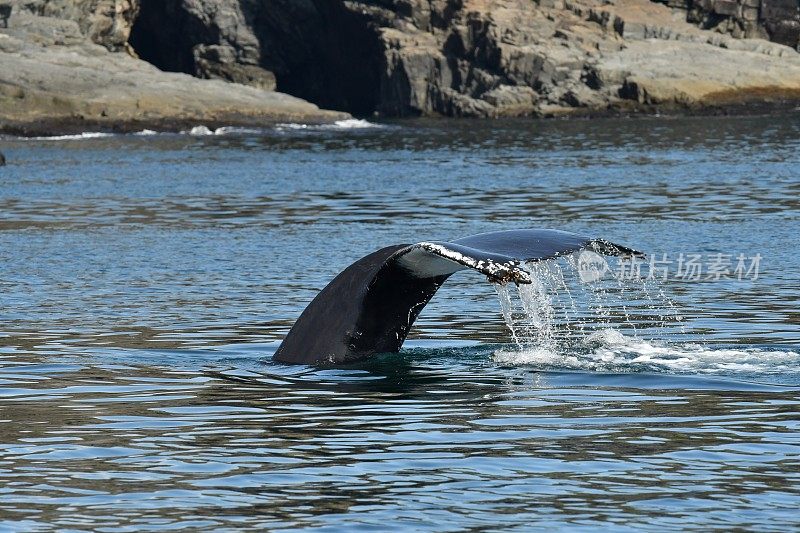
604	247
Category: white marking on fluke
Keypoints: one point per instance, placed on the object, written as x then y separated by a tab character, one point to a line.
497	272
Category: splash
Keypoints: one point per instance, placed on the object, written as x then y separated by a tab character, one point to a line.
567	301
197	131
200	131
610	350
576	315
531	316
575	302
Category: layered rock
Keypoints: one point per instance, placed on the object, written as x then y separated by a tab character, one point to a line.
471	58
206	38
54	78
105	22
484	58
512	57
776	20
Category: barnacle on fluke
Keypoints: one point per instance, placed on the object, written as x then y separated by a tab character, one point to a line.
370	306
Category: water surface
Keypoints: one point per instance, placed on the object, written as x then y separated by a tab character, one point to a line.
146	280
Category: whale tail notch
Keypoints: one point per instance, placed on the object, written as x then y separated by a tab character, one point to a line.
370	306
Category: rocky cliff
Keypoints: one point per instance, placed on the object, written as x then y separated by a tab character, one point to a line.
489	57
326	51
106	22
776	20
66	65
474	58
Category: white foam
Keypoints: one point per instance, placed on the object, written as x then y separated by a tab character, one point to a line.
566	319
203	131
75	137
346	124
606	337
354	123
225	130
200	131
611	351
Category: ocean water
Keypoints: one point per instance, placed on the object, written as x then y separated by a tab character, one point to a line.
146	280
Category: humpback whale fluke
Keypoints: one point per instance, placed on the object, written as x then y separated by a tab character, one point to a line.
370	306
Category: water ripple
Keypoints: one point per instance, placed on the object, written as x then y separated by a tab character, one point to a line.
147	280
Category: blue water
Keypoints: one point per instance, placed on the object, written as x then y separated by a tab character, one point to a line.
146	280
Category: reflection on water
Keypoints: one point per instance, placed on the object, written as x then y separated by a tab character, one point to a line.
146	280
423	440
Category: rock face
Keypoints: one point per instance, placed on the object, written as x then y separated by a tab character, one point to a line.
53	78
106	22
470	58
776	20
321	50
208	39
512	57
486	58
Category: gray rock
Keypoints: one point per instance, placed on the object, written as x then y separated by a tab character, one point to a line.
105	22
432	57
53	78
2	160
501	57
776	20
657	79
725	7
5	13
219	62
472	58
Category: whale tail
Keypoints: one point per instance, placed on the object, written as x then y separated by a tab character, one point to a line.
370	306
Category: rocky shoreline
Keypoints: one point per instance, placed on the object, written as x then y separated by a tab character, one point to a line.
127	65
55	80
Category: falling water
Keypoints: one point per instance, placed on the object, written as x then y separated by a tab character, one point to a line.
586	315
573	299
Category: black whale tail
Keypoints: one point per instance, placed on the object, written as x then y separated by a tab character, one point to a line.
370	306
